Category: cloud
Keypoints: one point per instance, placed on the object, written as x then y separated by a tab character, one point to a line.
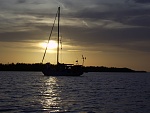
142	1
120	38
21	1
85	23
124	13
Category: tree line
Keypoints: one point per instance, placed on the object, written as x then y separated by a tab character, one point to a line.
40	66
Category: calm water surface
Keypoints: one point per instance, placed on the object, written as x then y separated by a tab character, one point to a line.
31	92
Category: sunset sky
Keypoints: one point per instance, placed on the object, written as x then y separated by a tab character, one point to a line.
112	33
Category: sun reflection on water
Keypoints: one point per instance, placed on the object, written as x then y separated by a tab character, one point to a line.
51	95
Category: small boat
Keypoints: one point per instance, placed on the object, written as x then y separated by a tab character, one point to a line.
61	69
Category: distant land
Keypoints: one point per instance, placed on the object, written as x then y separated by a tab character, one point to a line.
40	66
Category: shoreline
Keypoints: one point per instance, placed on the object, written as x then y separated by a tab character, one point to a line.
37	67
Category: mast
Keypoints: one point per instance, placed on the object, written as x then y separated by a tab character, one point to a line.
58	36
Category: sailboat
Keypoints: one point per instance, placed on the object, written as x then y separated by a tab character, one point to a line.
61	69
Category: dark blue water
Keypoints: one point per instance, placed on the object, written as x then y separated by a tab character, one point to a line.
31	92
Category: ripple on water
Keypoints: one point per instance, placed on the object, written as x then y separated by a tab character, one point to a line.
94	92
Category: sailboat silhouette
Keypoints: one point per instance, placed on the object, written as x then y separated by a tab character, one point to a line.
61	69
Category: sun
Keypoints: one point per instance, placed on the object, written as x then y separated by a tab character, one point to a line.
51	45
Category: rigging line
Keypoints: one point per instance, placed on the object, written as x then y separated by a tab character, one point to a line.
49	36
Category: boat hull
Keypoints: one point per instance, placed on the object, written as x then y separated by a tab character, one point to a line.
62	73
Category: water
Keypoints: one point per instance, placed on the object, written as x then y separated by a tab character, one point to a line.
31	92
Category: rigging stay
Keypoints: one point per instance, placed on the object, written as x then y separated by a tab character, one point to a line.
50	36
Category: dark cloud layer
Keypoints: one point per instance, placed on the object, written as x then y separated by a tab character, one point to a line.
128	16
21	1
117	23
142	1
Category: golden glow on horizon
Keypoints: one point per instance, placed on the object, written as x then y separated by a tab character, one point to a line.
51	45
